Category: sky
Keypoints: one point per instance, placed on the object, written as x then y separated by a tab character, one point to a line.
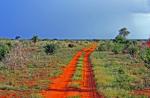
74	19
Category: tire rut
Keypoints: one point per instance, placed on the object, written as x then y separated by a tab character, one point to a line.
59	87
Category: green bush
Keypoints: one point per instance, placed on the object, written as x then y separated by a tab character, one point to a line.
106	46
35	39
50	49
102	47
133	51
4	49
118	48
71	45
145	55
120	39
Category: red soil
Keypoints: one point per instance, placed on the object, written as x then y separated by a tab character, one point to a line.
10	96
59	87
145	92
89	86
148	44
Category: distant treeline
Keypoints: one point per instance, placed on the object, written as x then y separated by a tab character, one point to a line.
74	39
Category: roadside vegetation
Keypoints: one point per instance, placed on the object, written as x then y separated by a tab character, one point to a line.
121	66
117	75
74	97
27	66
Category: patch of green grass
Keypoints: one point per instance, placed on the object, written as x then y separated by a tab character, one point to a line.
117	75
55	72
7	87
74	96
74	85
78	73
36	96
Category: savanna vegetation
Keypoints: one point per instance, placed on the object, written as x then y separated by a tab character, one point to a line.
121	66
26	66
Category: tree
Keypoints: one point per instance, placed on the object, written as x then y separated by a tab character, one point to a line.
35	39
120	39
124	32
17	37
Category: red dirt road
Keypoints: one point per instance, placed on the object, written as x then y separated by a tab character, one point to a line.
59	87
88	77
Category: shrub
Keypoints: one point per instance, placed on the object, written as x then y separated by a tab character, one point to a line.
17	37
7	87
120	39
133	51
50	49
118	48
107	46
35	39
17	57
71	45
145	55
124	32
4	49
102	47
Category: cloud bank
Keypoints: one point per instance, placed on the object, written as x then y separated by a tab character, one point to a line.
74	18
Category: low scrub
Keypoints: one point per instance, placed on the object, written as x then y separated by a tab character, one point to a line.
71	45
4	49
106	46
145	55
17	57
117	75
50	49
118	48
133	51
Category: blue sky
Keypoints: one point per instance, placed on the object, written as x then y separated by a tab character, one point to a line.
74	19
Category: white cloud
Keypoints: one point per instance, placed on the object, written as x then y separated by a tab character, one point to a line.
142	22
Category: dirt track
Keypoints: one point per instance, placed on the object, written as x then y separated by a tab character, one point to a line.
59	87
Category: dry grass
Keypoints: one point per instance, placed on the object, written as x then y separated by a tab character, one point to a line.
30	68
116	75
